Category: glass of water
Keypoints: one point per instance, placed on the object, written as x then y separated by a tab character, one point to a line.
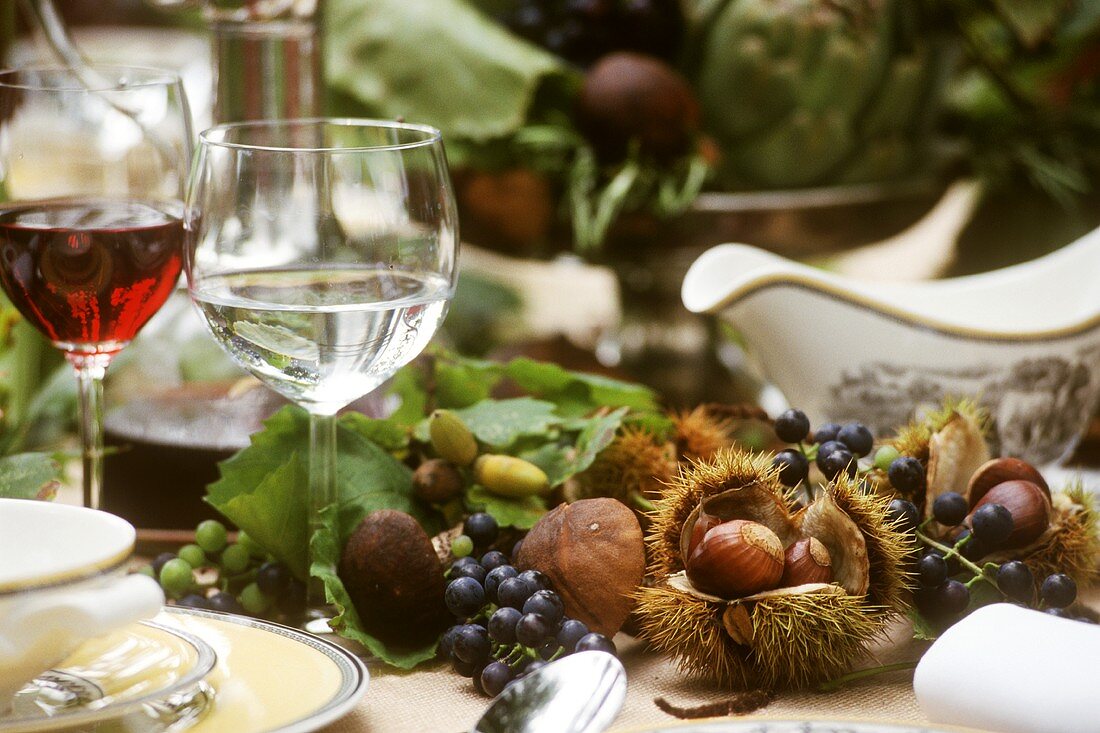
322	256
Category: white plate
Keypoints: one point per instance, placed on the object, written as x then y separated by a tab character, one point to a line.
271	678
146	670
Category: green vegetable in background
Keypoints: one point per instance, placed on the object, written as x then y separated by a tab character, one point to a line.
815	92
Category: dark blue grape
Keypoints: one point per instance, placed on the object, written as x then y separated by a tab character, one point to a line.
952	597
537	580
793	467
532	629
1015	580
471	644
950	508
495	677
464	597
903	514
494	578
906	474
1059	612
827	448
493	559
462	561
547	604
973	549
470	570
502	625
293	599
570	633
514	592
932	570
991	524
1058	590
225	602
193	600
595	643
447	641
273	578
466	669
159	560
481	528
838	462
533	666
792	426
826	433
549	649
857	437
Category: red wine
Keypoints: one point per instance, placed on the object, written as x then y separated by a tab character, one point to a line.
89	273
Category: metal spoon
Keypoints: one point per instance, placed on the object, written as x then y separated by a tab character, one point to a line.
581	693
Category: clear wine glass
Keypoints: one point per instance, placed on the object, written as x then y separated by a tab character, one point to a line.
92	171
322	256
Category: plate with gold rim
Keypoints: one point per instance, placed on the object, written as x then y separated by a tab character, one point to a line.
270	678
146	673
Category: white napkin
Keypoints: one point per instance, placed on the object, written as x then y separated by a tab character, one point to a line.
1013	670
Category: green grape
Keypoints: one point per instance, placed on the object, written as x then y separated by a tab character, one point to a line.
884	456
210	535
462	546
193	555
175	577
253	600
251	545
148	571
235	559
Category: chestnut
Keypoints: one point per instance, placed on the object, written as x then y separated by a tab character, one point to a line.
999	470
736	558
1027	503
806	561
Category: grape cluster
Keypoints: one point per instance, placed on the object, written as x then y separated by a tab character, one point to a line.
510	623
583	30
948	574
240	577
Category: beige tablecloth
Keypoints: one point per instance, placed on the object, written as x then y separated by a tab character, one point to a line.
436	700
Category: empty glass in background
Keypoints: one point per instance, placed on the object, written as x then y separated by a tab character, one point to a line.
92	171
322	255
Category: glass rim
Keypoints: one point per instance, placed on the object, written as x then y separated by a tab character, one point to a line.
432	135
147	76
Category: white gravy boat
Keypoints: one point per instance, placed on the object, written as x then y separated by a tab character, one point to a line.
62	582
1023	340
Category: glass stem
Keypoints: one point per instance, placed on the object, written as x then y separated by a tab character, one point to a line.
89	377
322	485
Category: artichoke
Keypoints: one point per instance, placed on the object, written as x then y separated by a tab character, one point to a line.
812	92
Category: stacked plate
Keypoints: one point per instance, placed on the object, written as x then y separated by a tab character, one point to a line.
201	671
65	603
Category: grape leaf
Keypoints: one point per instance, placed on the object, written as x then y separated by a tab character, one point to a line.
29	476
923	629
562	461
500	423
521	513
326	543
263	488
575	391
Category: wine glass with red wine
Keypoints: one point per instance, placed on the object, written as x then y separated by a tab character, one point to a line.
92	169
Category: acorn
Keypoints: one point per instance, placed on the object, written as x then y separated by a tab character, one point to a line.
1027	503
451	439
735	559
999	470
806	561
510	476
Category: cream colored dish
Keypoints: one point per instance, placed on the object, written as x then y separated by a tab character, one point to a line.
1023	340
61	584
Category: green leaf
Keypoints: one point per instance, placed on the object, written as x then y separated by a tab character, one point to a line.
521	513
499	423
388	434
408	387
263	488
588	391
326	544
29	476
441	62
562	461
923	629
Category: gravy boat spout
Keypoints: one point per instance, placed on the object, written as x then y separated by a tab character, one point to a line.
1024	340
